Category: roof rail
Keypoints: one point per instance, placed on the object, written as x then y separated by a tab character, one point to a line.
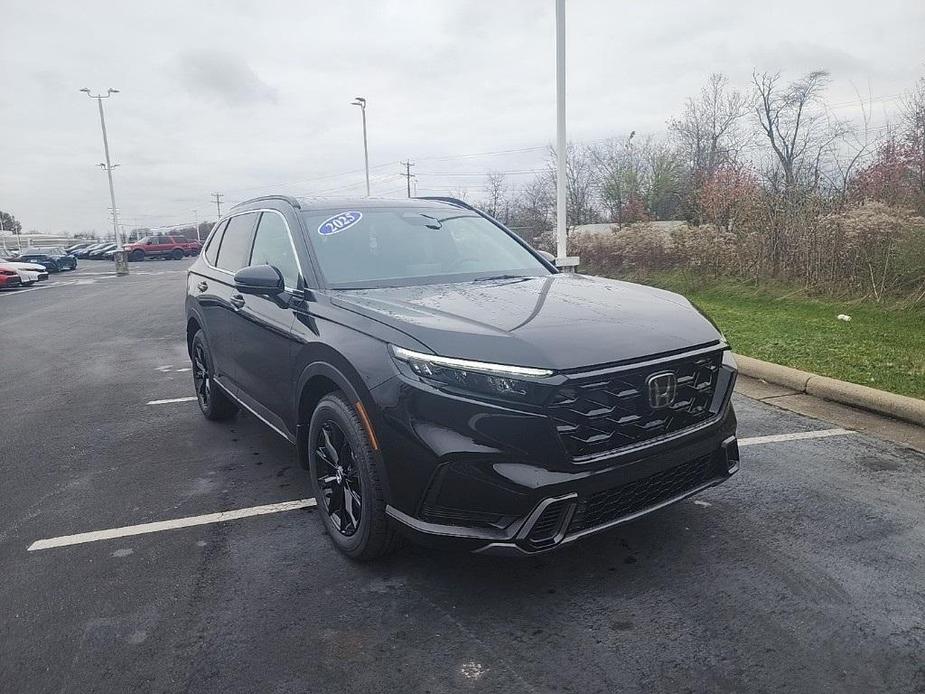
287	198
443	198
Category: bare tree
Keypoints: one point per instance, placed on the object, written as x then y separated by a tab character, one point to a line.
913	119
664	182
709	132
581	179
533	210
621	170
496	202
796	127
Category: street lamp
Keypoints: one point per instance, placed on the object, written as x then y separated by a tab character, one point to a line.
108	166
361	102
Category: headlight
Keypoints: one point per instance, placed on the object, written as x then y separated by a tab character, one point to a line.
498	380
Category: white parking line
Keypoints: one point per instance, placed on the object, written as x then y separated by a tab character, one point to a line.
159	526
170	400
798	436
222	516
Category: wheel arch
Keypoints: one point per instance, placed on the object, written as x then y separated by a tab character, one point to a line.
193	325
319	379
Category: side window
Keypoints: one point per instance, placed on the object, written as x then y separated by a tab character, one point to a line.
236	242
272	247
211	249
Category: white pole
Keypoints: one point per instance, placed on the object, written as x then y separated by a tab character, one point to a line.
112	192
361	102
560	131
365	149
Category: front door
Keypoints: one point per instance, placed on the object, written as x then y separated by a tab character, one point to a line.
263	350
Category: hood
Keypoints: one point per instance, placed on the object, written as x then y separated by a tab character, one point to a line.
560	322
32	267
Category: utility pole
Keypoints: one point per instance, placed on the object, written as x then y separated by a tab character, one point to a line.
408	175
108	166
361	102
217	198
196	217
562	261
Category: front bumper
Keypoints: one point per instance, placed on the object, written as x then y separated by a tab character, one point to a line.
489	478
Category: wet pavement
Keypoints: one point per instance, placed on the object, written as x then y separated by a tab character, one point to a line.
804	573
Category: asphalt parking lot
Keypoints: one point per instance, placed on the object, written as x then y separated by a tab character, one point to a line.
804	573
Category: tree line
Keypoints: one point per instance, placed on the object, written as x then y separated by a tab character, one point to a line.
770	181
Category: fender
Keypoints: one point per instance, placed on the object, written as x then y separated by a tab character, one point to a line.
355	391
193	312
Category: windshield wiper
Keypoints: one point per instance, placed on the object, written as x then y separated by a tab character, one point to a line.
501	277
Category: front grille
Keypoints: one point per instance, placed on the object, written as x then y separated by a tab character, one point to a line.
611	410
610	504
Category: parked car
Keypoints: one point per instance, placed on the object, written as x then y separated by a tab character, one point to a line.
9	277
54	259
34	268
173	247
28	277
99	253
441	379
85	252
79	247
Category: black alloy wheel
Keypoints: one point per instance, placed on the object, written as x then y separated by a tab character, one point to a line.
213	402
338	479
202	376
347	480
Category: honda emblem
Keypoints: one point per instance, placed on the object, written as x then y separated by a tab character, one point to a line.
661	388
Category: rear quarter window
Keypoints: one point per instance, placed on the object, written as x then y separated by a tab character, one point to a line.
211	249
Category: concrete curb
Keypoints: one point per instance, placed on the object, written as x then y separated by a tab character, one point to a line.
879	401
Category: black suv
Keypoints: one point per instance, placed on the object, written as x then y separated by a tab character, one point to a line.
441	380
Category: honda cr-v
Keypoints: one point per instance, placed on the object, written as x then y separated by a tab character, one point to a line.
442	380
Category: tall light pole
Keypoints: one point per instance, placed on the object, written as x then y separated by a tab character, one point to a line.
562	259
560	131
361	102
108	165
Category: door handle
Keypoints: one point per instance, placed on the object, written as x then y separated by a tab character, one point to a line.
202	286
237	300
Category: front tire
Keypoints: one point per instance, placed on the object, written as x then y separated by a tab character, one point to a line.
213	402
176	254
137	255
345	477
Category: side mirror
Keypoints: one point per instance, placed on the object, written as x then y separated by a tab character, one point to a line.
548	256
259	279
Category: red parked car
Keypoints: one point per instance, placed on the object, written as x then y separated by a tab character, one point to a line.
173	247
9	277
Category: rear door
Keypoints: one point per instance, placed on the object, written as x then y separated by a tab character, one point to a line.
230	256
263	348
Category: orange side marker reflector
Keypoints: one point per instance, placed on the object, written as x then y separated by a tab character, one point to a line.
367	425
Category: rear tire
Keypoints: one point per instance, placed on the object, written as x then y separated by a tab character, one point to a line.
176	254
213	402
346	480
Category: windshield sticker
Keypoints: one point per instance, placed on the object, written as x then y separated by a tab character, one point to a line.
339	222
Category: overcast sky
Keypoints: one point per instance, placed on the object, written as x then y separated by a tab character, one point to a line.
254	97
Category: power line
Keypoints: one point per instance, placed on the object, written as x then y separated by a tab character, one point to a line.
217	197
408	175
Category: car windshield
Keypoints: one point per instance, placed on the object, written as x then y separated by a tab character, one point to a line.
36	251
378	247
